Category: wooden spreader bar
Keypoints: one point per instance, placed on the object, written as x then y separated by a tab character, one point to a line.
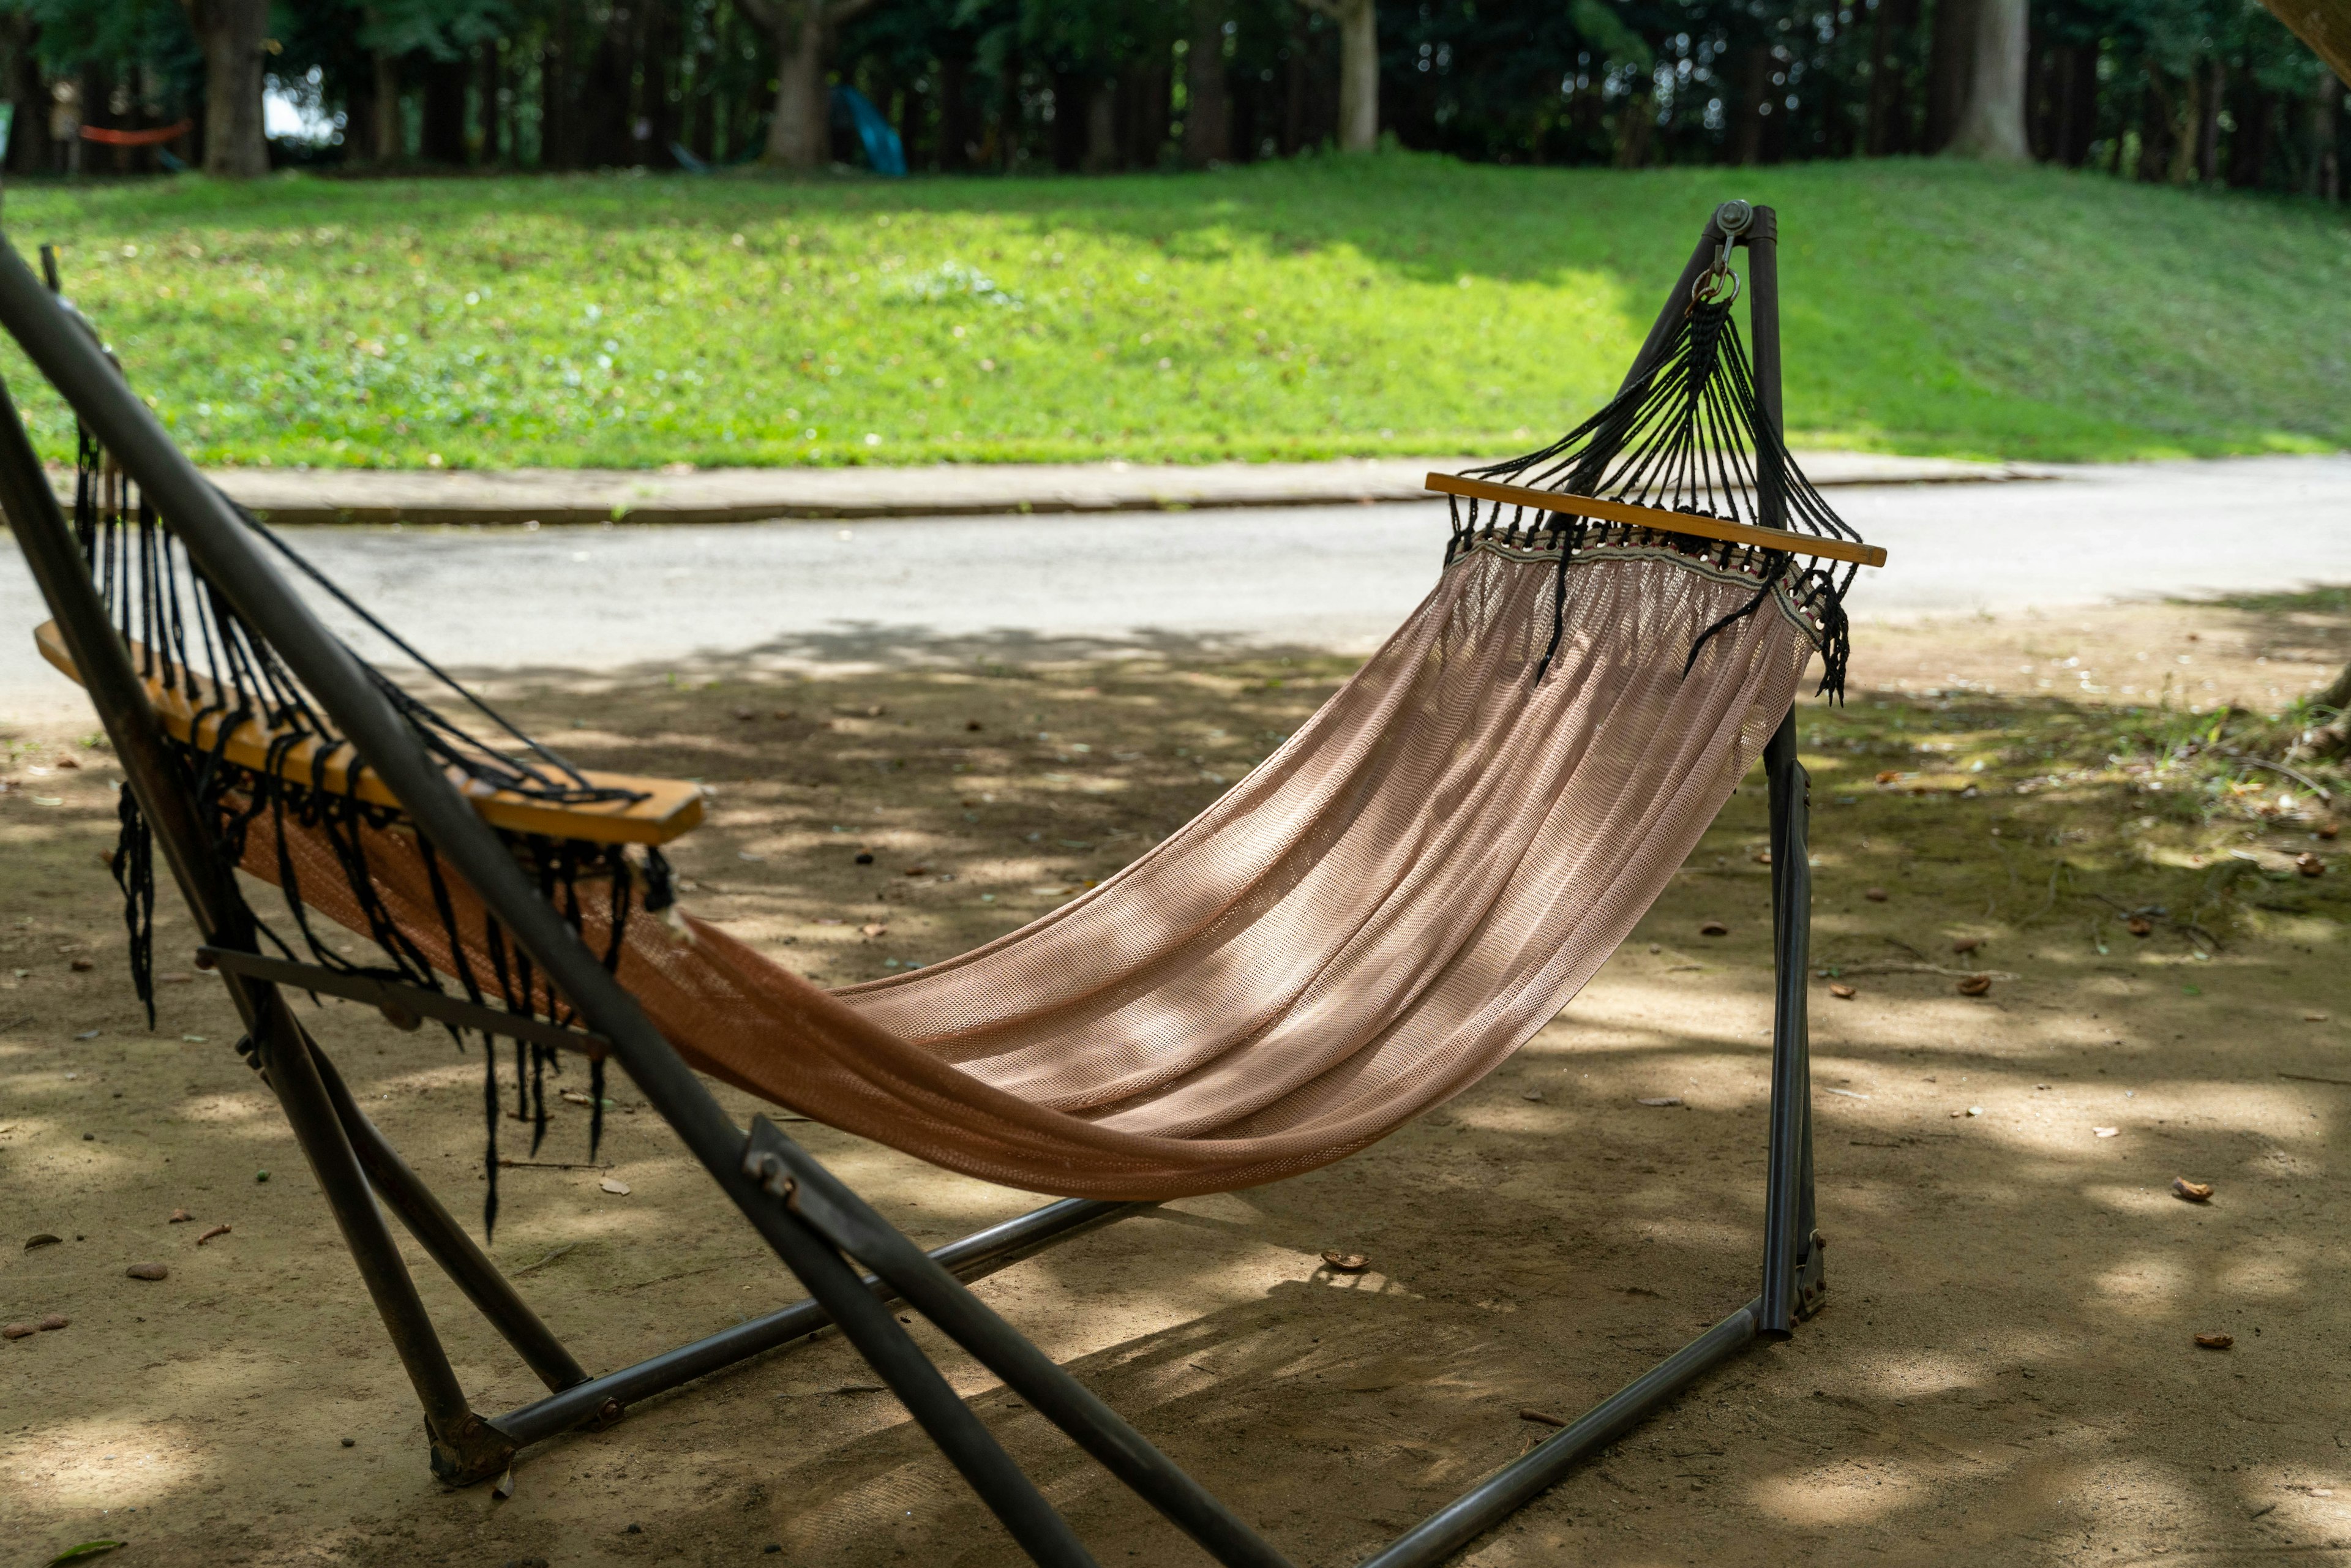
1659	518
664	809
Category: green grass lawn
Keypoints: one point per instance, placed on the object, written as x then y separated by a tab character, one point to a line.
1399	304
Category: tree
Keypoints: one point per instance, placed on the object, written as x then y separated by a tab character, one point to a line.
1991	123
799	134
1209	104
234	35
1359	71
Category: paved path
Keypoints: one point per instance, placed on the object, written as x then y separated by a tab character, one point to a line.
803	594
591	496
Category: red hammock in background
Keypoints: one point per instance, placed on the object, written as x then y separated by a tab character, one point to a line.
155	138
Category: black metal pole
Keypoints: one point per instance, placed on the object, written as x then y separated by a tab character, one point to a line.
1524	1479
1787	1203
461	1446
216	538
437	1231
977	1254
852	1224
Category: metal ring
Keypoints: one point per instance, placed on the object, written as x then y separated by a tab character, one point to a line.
1698	295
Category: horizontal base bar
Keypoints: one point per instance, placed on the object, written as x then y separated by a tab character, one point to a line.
1516	1484
974	1255
390	997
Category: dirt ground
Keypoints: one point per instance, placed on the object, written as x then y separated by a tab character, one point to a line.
2006	1371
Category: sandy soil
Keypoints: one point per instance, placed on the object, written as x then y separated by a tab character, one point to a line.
2006	1372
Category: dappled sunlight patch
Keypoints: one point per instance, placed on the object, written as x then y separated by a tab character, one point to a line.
2146	1284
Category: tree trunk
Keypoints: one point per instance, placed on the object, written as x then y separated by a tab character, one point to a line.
1101	126
2249	144
557	147
390	135
1209	104
29	91
1889	122
1950	67
661	57
1746	146
797	134
441	135
2078	119
2324	178
2208	122
1359	71
1992	125
956	139
493	77
231	33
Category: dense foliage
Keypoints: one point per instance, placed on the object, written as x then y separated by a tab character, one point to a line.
2179	91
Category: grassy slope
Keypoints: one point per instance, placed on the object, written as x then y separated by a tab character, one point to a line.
1402	304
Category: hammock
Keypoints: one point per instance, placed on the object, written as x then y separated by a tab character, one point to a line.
1373	920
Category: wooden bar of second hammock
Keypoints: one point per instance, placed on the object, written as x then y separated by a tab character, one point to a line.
1658	518
664	809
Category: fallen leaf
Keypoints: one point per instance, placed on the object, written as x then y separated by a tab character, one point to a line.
148	1271
1889	775
1966	943
18	1330
2139	925
1763	857
1875	894
68	762
1541	1419
616	1187
42	1239
83	965
2329	829
55	1320
2193	1191
873	928
1346	1262
2216	1341
1713	928
1974	985
82	1553
2313	1017
505	1485
1533	1094
2107	1131
1841	991
207	1236
2309	864
746	715
1664	1100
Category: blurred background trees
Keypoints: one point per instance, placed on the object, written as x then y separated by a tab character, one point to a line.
2182	91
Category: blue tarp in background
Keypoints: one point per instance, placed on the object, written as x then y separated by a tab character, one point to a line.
884	153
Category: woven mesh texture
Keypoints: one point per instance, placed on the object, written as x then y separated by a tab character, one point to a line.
1373	919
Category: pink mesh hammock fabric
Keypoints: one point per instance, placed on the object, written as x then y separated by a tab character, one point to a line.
1373	919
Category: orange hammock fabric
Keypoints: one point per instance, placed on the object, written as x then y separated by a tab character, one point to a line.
1373	920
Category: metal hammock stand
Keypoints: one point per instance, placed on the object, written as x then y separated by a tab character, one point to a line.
853	1263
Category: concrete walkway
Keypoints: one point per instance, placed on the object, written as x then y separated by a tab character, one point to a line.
589	496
